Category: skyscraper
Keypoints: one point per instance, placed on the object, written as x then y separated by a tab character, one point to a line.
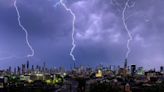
18	71
27	66
125	69
15	71
161	69
133	70
125	63
23	68
9	70
44	66
32	68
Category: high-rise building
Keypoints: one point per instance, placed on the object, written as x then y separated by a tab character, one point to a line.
23	68
27	66
125	63
161	69
9	70
15	71
32	68
18	71
125	69
133	70
44	66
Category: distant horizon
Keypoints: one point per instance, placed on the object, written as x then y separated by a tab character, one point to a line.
85	66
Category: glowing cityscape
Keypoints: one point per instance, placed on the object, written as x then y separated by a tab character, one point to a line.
81	46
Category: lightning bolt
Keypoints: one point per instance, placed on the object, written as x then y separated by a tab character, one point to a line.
24	29
126	27
73	26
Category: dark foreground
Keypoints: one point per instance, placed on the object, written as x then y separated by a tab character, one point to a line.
97	87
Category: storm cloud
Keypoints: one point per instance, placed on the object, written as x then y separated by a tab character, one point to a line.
100	35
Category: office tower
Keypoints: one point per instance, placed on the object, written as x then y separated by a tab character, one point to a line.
125	63
32	68
161	69
27	66
9	70
18	71
133	70
44	66
23	68
37	67
15	71
125	69
110	67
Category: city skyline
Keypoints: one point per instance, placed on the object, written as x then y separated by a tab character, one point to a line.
100	35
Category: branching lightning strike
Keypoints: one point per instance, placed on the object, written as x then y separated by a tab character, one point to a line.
73	27
24	29
126	28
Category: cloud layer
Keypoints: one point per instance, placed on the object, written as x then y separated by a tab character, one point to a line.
100	33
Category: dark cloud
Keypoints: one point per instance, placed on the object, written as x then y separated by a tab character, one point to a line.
100	34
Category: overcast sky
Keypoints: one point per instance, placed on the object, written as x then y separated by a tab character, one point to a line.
100	35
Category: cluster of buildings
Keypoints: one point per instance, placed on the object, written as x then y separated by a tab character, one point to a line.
25	75
26	69
126	77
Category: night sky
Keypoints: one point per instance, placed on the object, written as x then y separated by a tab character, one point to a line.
100	35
